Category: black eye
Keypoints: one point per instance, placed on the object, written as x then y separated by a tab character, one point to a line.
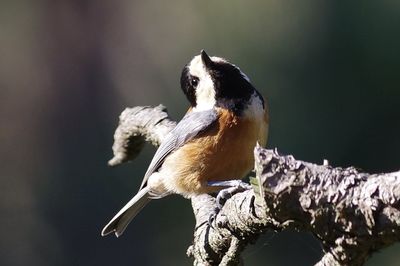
194	81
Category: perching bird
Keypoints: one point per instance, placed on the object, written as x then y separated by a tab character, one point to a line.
213	142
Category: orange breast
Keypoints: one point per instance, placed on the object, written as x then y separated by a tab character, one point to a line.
223	152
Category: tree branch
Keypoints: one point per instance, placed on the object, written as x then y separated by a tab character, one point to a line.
137	126
352	213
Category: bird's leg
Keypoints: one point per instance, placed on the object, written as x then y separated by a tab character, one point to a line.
231	188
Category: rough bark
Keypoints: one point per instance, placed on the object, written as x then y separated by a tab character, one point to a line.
137	126
352	213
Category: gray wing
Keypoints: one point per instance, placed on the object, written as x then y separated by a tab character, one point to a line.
189	127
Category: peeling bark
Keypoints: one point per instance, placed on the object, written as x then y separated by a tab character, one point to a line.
352	213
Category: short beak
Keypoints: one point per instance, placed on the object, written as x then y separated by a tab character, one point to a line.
206	59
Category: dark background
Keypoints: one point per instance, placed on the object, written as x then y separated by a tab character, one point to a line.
330	71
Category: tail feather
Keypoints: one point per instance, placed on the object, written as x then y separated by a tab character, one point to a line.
121	220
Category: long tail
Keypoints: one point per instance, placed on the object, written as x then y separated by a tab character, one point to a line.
127	213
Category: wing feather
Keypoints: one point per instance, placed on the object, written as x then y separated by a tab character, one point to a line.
188	128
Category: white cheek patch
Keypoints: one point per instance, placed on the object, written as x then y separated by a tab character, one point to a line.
205	91
255	108
205	95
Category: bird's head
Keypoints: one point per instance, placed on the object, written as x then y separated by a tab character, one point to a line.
213	81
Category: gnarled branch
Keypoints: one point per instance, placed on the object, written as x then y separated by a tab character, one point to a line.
352	213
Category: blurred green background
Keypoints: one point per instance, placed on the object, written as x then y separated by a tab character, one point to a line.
330	70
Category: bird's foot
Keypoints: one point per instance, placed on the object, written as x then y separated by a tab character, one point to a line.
231	188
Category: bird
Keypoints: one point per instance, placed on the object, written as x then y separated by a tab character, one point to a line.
212	144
